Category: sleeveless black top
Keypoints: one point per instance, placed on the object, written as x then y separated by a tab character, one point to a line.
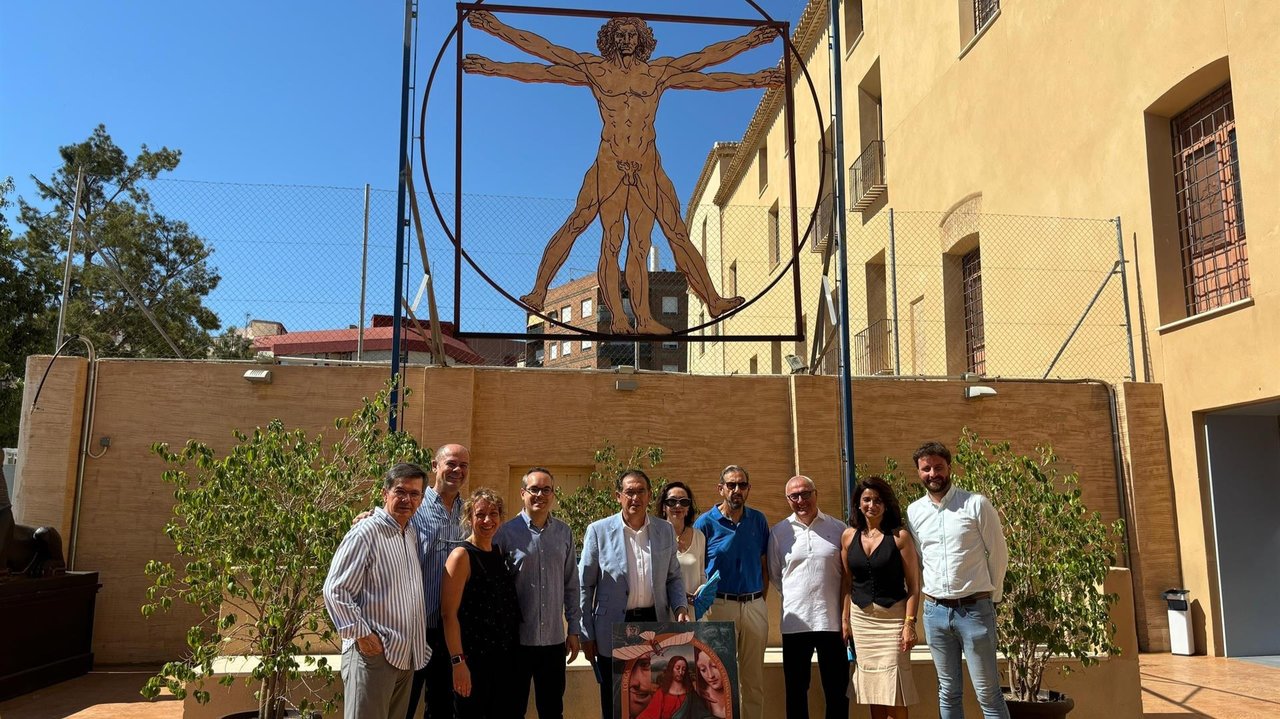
489	614
877	578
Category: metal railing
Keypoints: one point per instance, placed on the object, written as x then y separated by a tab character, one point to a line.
866	176
872	349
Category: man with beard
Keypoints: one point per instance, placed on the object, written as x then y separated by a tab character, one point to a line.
626	181
541	547
737	547
964	553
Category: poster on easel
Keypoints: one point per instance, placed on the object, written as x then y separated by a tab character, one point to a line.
675	670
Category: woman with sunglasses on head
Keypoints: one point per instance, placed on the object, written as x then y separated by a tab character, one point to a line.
677	507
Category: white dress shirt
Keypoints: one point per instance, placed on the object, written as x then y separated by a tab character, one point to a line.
639	565
961	545
804	565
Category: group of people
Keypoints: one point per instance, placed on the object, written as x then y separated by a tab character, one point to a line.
508	604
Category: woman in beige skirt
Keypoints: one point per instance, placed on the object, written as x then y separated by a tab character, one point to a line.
882	583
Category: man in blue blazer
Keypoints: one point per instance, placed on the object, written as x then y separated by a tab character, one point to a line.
628	573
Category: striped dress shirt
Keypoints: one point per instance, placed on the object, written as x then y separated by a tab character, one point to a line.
375	587
547	578
439	531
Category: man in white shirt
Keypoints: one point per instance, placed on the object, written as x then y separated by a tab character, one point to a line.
804	565
964	553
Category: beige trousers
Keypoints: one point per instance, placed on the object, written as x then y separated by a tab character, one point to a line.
751	625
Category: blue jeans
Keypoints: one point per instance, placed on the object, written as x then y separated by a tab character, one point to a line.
970	629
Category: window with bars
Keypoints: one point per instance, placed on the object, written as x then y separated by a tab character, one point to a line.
1206	167
975	344
775	237
983	12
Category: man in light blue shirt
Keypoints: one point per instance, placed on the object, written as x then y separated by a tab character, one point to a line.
374	596
541	548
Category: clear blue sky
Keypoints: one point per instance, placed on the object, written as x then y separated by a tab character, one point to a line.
309	93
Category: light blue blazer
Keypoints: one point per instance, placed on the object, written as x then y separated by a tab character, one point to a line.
604	582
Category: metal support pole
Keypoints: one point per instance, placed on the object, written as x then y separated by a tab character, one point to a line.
839	234
1124	287
893	281
364	276
397	333
66	268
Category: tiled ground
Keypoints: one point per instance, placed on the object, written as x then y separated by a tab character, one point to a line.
1173	687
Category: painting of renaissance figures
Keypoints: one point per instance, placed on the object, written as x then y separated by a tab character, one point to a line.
675	670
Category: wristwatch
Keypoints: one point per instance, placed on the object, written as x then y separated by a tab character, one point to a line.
457	659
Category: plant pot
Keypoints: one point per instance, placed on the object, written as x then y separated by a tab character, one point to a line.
1048	705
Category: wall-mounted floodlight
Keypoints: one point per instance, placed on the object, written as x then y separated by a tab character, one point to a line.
261	376
796	364
978	390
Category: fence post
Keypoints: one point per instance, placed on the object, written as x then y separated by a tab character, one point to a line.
893	275
1124	287
364	274
71	251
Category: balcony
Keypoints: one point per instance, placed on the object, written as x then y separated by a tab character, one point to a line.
822	228
873	349
866	177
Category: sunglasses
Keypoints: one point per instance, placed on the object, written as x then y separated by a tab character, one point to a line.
677	502
734	486
800	496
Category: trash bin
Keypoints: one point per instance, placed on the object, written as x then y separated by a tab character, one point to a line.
1181	640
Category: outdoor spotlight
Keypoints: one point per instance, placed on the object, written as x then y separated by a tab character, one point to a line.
796	364
262	376
978	390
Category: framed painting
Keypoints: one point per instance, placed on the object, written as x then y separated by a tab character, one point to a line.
675	670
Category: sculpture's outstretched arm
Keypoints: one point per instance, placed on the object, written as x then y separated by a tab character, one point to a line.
723	81
719	52
535	45
524	71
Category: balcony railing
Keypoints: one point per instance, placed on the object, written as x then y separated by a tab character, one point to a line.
872	349
866	176
822	229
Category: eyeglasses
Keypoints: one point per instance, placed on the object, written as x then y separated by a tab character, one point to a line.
735	486
401	493
677	502
538	491
801	496
633	493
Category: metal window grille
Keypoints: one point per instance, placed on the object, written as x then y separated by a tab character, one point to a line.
1215	264
775	238
983	11
975	343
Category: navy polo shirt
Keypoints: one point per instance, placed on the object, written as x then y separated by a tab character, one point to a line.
735	550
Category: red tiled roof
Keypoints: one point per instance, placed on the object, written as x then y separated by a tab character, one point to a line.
375	339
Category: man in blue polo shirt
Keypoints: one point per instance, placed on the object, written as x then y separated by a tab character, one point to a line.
737	547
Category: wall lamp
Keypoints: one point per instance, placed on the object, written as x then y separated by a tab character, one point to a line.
796	364
977	390
259	376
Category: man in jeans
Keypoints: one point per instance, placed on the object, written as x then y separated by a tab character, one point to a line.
965	556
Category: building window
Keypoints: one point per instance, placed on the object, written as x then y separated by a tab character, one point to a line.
762	165
566	313
775	237
586	307
984	11
670	368
753	365
670	305
670	345
566	348
1215	265
586	345
974	338
552	315
704	239
852	23
555	350
733	279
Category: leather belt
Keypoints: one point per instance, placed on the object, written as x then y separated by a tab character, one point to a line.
739	597
960	601
641	614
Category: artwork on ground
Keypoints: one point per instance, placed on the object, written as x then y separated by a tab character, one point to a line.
675	670
626	187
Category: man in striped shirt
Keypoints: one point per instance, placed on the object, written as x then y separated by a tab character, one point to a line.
374	595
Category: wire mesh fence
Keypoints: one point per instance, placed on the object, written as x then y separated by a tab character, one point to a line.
929	294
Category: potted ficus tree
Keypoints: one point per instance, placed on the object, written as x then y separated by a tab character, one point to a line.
1059	555
255	531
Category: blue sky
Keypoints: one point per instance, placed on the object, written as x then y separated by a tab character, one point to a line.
308	93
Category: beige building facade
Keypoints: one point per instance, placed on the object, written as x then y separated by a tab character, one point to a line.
1153	128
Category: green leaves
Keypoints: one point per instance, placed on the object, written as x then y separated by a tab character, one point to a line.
596	498
1059	556
258	528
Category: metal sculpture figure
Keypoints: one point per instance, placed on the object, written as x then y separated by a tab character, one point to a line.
626	183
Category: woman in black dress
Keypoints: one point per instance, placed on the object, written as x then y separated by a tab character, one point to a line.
481	614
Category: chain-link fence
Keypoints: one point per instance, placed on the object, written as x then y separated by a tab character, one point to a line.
929	294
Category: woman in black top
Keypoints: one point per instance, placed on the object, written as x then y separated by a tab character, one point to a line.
882	580
481	614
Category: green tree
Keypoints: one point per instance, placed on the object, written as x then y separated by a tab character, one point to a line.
24	301
139	278
231	344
